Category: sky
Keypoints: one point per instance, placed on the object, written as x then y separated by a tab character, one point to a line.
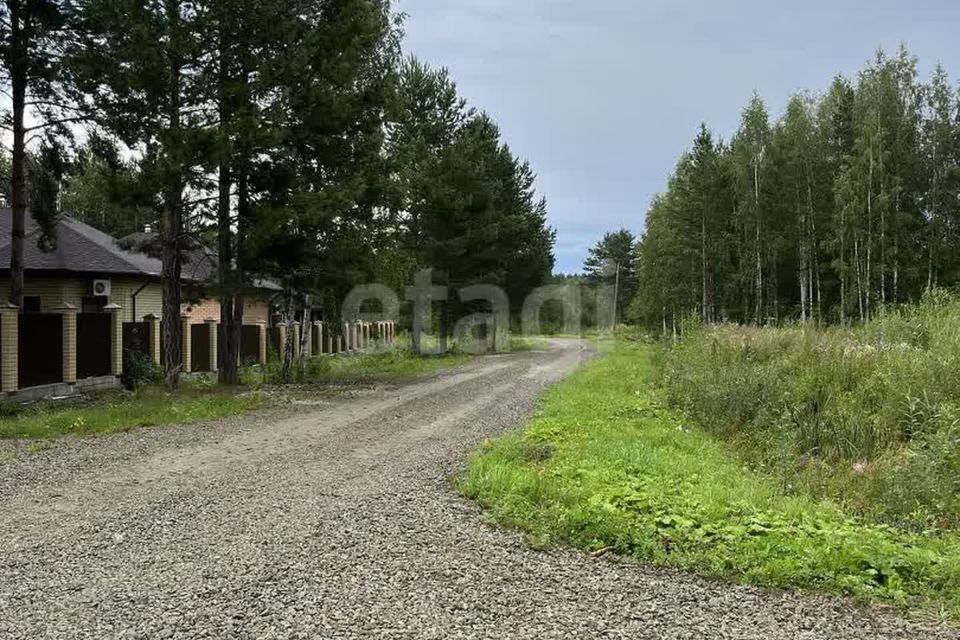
602	96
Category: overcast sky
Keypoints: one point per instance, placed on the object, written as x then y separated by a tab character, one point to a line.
602	96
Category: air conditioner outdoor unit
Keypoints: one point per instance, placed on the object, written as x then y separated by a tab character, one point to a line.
101	288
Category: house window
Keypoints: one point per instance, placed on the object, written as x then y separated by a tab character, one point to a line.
31	304
93	304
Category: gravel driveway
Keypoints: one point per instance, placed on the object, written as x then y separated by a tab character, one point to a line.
338	521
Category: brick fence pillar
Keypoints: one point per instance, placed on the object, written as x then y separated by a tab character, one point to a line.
262	342
214	344
186	344
69	313
9	348
346	336
318	332
116	338
154	323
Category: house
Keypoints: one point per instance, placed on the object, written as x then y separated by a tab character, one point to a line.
90	304
90	270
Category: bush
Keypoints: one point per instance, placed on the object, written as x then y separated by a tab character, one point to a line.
868	416
140	371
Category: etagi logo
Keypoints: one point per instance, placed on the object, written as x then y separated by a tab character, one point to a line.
489	328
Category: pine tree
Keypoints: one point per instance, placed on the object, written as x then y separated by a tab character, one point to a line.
32	34
139	63
612	262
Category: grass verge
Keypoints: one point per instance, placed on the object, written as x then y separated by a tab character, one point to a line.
199	399
604	465
112	413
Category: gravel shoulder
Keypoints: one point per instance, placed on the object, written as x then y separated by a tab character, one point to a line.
337	520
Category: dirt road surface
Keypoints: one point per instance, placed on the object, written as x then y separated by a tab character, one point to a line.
338	520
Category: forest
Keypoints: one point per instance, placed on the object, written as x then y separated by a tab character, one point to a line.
849	202
295	137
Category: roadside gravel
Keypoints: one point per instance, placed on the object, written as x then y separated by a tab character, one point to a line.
337	520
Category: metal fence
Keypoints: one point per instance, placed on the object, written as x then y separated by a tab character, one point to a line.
93	345
40	357
200	347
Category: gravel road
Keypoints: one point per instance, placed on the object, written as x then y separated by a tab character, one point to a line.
337	520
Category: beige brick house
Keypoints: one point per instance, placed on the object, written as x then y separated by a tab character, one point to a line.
90	269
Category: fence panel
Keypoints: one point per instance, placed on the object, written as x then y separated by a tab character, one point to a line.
200	347
274	340
40	356
136	339
250	344
93	345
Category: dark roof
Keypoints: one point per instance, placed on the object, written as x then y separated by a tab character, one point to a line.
200	263
79	247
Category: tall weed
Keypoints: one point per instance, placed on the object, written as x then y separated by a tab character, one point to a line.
868	416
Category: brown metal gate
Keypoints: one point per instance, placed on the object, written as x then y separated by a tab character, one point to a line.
136	340
250	343
274	340
40	357
93	345
200	347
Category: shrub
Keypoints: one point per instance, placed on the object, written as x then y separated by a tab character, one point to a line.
868	416
140	371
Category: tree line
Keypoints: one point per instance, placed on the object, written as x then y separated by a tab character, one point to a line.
848	202
293	135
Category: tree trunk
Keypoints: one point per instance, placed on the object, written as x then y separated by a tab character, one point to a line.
227	344
170	285
305	330
18	182
444	321
288	344
416	333
172	215
227	337
759	257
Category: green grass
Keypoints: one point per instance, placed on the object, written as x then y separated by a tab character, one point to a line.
124	412
529	343
604	465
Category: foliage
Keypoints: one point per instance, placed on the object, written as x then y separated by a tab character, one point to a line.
869	417
612	262
463	204
846	203
604	465
140	371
